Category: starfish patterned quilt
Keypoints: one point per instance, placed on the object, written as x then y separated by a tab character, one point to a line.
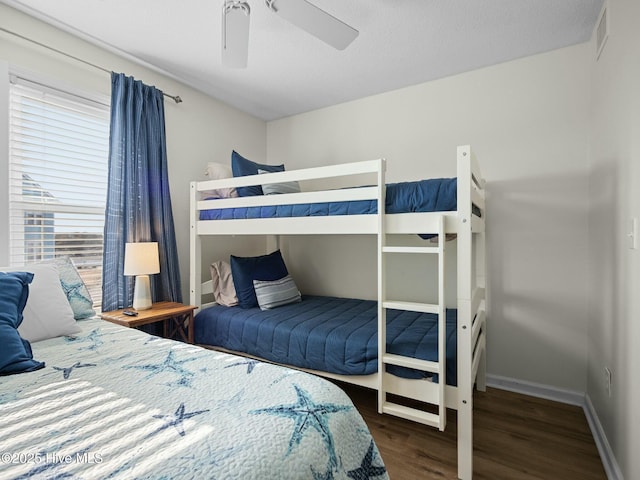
117	403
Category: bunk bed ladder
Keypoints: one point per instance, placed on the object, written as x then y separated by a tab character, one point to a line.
436	420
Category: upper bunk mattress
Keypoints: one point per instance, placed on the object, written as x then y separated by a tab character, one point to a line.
432	195
328	334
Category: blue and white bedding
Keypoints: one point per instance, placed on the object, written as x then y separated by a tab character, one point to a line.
328	334
117	403
432	195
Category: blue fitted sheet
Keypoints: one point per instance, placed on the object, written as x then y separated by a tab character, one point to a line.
329	334
432	195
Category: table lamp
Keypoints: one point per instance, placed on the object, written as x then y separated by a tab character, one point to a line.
141	260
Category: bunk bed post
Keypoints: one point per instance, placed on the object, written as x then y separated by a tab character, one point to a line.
465	315
382	312
195	266
442	326
480	264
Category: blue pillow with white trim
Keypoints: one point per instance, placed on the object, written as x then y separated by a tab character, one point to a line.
15	355
276	293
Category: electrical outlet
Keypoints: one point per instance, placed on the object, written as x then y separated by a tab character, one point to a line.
633	233
607	380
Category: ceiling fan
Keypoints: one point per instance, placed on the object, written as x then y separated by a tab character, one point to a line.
305	15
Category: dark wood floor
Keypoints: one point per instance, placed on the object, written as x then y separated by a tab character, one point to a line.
515	437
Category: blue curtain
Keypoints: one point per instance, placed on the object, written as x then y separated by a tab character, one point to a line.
138	200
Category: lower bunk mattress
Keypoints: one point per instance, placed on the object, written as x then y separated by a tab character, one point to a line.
329	334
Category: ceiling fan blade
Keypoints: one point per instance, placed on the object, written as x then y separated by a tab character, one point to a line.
315	21
235	34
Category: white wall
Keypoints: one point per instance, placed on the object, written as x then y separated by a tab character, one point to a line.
527	121
614	325
199	130
531	122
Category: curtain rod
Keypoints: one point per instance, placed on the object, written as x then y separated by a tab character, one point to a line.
175	98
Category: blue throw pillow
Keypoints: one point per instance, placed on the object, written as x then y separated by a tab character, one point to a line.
247	269
241	167
15	354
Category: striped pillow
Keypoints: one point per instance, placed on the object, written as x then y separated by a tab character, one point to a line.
278	188
275	293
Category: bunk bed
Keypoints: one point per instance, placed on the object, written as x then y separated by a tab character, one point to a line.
465	219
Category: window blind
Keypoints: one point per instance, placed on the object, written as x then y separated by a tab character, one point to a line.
58	153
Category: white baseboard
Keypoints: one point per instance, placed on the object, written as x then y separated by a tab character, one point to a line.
604	448
570	397
536	390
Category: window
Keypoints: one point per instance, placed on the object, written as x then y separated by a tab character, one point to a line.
58	152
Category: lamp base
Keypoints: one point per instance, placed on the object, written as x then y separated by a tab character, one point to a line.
142	293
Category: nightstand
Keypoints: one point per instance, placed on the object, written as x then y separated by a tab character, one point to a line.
174	315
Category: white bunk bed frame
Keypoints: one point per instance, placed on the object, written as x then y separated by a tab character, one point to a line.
471	304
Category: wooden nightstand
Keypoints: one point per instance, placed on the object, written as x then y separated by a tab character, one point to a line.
174	315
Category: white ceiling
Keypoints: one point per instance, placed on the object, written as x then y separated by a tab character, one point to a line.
401	43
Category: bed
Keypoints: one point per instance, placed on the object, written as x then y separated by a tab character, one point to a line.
98	400
328	334
366	206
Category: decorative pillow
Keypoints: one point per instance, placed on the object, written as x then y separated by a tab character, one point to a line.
217	171
48	313
224	293
275	293
74	288
278	188
247	269
15	355
242	167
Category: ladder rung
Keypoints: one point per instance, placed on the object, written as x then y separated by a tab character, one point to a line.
411	414
413	306
410	249
410	362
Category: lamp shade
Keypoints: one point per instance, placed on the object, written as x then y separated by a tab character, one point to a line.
141	258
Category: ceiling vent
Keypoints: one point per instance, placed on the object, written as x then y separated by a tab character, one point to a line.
602	31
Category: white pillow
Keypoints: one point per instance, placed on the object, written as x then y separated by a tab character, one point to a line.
279	188
218	171
48	313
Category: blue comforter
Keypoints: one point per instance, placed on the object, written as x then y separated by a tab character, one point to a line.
432	195
329	334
